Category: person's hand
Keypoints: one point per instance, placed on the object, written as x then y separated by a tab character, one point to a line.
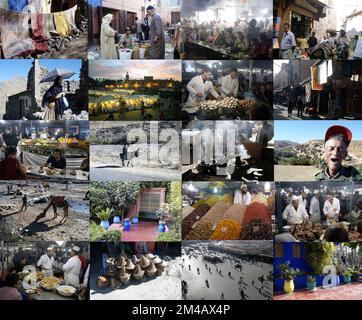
219	98
199	94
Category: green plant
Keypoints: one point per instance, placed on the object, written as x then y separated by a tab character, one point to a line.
104	214
318	255
113	236
311	279
355	274
96	232
347	272
168	236
286	272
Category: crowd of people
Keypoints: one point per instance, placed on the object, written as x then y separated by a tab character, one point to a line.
73	266
250	38
301	46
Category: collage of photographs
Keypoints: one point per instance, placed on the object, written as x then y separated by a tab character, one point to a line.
180	150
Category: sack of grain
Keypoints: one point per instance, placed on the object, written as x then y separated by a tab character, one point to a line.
202	231
193	217
227	230
260	198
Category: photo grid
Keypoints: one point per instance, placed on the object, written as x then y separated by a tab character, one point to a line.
180	150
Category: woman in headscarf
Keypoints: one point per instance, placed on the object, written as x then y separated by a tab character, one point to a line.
53	101
108	44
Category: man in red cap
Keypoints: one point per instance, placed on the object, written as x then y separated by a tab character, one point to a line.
337	140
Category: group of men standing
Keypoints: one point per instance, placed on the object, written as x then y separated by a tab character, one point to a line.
151	29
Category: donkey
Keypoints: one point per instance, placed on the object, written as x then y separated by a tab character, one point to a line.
129	156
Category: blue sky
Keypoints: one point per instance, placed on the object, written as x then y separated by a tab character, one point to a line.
13	68
304	130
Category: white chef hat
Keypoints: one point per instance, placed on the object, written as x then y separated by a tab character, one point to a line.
75	249
315	191
294	197
49	248
306	191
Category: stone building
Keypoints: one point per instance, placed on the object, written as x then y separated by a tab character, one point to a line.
29	101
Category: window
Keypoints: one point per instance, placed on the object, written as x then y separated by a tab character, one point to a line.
279	250
150	202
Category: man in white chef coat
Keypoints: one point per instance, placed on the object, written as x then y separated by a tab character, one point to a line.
230	84
199	87
242	196
295	213
72	268
46	262
331	208
314	208
220	76
303	197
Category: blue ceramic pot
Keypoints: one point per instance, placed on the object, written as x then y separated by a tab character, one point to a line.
126	225
135	220
104	224
161	227
116	220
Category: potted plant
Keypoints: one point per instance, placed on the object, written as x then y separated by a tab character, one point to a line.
126	224
355	276
347	276
288	274
134	219
104	215
311	283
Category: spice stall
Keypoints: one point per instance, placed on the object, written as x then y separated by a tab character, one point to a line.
217	214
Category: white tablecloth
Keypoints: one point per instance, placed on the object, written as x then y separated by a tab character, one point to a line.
34	159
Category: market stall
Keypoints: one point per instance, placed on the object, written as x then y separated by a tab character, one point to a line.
36	284
251	99
318	223
38	141
130	270
248	155
227	211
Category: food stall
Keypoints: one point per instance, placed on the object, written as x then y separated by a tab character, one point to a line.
249	104
210	211
35	284
315	228
36	141
228	150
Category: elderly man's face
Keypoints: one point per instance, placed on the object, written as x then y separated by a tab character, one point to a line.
335	152
295	204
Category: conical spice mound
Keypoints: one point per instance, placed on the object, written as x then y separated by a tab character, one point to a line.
124	276
135	260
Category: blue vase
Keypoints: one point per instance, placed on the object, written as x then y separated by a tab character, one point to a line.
126	225
161	227
135	220
116	220
104	224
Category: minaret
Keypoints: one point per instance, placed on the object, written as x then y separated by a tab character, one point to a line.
127	76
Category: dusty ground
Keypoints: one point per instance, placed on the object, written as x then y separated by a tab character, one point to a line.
28	226
165	287
294	173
